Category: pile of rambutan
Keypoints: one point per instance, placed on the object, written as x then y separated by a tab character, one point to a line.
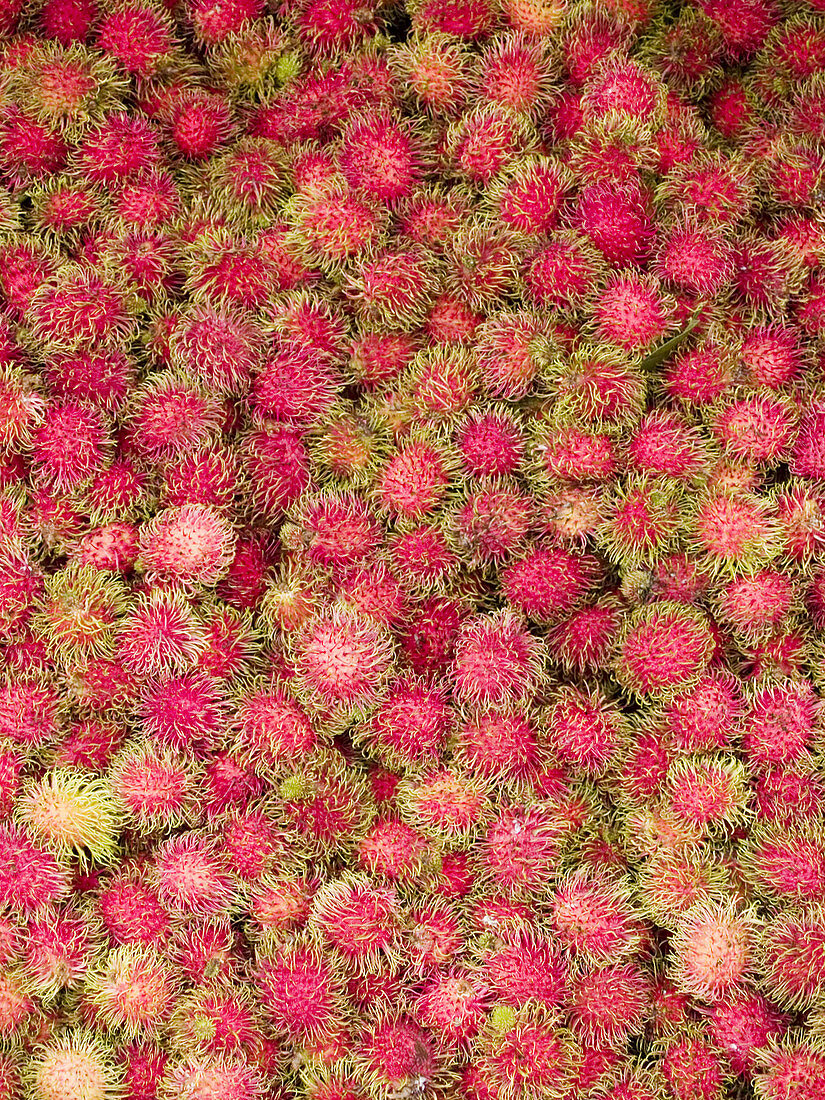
412	549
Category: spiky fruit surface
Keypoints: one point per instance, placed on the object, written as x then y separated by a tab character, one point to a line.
412	518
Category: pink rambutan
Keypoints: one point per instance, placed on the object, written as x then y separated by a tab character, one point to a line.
183	712
734	530
334	225
707	716
272	729
73	1065
791	957
584	729
496	660
664	650
30	711
133	990
300	990
642	523
486	141
156	785
131	911
452	1005
529	198
609	1004
89	744
428	642
160	635
712	949
343	658
492	524
585	639
192	879
490	442
692	1068
794	1069
214	1020
756	605
411	725
632	312
706	791
808	456
392	849
499	746
190	544
414	480
324	804
30	878
137	35
379	158
801	512
779	723
253	844
442	802
515	72
214	22
220	347
396	1053
120	147
451	320
436	69
169	416
360	920
593	919
785	795
334	26
741	1024
203	1076
527	1058
521	848
463	19
277	464
561	273
616	222
530	969
31	150
696	260
786	864
228	785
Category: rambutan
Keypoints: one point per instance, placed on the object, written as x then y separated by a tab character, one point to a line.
492	523
791	956
664	650
521	848
343	658
786	864
155	786
593	918
160	635
192	879
452	1005
73	1065
790	1069
300	990
193	543
499	745
780	722
496	660
414	480
358	919
72	813
609	1004
134	990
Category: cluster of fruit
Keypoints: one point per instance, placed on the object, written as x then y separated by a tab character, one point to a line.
412	550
